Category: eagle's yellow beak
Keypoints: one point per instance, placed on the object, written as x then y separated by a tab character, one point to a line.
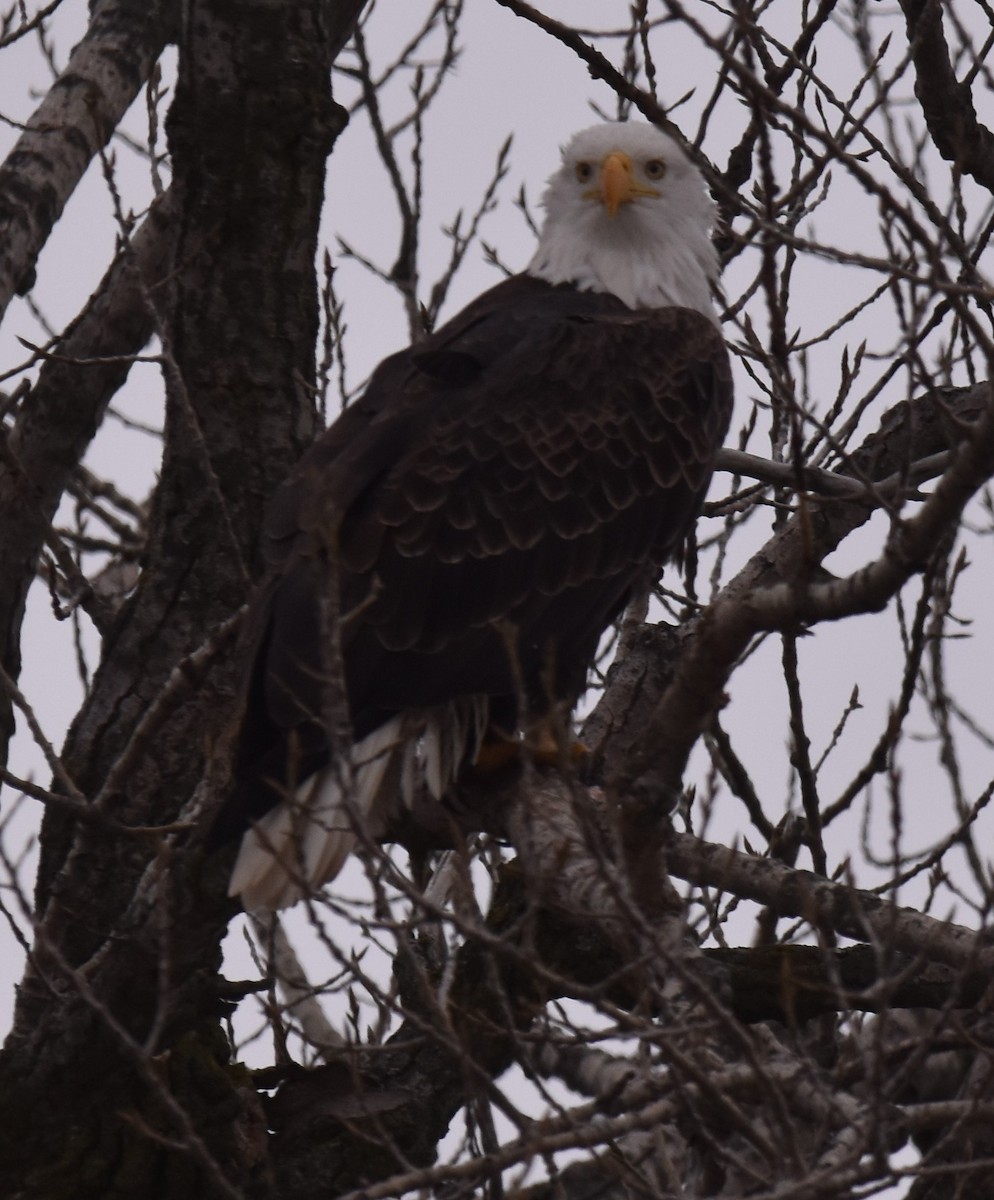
617	184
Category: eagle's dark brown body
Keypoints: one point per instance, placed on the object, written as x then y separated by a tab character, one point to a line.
510	477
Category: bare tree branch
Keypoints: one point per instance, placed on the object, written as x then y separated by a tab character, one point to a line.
77	117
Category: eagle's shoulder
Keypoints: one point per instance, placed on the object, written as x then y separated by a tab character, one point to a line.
524	357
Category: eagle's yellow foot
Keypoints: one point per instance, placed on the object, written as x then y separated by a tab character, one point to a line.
547	749
542	746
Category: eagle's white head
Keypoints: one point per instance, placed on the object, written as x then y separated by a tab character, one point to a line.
628	213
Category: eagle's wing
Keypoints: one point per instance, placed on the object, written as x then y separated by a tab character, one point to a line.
502	484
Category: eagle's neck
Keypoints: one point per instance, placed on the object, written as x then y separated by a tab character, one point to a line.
646	267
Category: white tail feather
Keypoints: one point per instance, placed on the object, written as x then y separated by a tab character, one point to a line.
304	842
299	845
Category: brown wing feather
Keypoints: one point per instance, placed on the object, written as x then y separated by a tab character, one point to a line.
526	464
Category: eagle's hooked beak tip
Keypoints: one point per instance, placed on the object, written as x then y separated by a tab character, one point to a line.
616	182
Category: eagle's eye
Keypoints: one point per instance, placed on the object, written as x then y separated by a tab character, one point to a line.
584	172
655	168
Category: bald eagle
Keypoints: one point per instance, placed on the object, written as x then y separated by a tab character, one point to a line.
443	562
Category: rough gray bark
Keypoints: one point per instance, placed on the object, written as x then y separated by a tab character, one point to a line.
250	128
75	120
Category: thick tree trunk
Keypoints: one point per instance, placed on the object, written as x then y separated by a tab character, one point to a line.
115	1080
